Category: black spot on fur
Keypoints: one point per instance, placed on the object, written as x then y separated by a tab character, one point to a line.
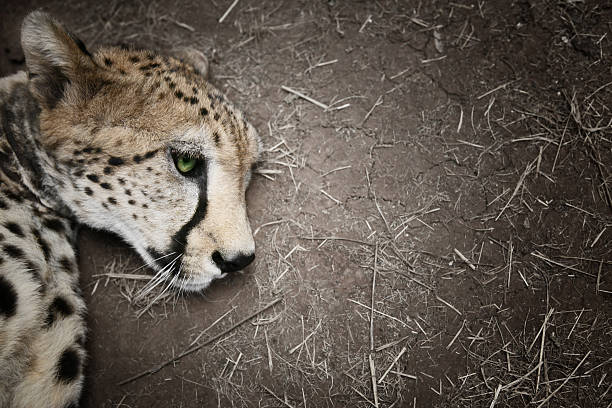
145	206
44	246
13	251
108	62
172	85
137	158
58	308
93	178
121	181
88	150
134	59
217	116
88	191
115	161
67	265
178	94
131	202
134	216
14	228
195	90
54	224
149	168
8	298
203	111
108	170
149	66
193	100
68	366
106	186
122	72
80	44
79	173
150	154
112	200
128	191
13	197
217	138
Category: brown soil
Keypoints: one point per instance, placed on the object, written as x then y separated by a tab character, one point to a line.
474	128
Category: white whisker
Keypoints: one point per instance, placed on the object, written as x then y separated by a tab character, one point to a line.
152	263
168	286
159	277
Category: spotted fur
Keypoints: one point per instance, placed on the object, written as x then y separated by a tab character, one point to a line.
94	139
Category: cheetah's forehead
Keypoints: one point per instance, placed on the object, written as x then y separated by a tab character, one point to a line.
170	100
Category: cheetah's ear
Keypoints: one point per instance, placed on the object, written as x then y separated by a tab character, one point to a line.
55	58
194	57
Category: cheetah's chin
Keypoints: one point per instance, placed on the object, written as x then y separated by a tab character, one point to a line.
197	285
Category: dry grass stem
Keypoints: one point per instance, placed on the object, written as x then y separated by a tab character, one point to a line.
569	377
193	349
464	259
453	308
497	88
305	97
229	10
395	360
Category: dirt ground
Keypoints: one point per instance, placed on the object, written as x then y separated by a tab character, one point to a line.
456	181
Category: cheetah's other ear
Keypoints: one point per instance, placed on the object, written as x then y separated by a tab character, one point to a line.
55	58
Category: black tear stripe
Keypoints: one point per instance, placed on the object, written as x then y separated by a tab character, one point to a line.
179	240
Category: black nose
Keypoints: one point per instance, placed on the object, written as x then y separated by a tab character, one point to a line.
234	264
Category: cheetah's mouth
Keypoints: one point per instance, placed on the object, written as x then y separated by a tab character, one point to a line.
175	270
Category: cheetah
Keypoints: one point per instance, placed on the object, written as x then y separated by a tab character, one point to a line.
122	140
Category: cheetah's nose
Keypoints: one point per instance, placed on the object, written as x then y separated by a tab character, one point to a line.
233	264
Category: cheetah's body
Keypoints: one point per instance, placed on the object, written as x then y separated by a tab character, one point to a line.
94	139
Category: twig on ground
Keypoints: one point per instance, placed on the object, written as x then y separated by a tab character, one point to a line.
453	308
552	394
377	103
528	170
213	324
282	401
333	238
229	10
497	88
191	350
464	259
395	360
373	378
305	97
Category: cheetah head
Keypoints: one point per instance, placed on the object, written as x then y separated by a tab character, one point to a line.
142	145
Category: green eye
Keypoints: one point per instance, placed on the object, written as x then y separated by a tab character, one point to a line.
185	164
